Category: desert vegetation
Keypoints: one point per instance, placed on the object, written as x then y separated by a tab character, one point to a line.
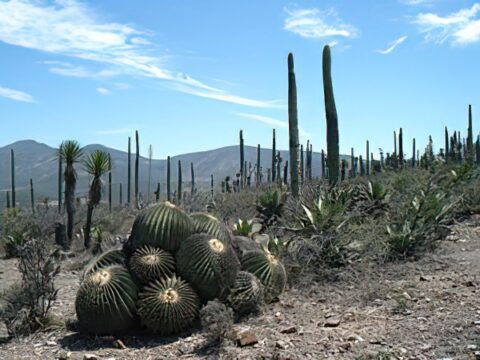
174	264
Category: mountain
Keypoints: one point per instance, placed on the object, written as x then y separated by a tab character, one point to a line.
38	162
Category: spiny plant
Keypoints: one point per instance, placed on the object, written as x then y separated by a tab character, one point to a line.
163	225
247	228
268	269
70	153
246	294
209	264
106	301
168	306
105	259
148	264
96	164
209	224
270	205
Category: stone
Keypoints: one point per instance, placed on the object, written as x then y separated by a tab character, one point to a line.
289	330
332	322
281	344
90	357
246	338
4	336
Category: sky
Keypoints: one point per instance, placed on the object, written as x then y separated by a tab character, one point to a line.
189	74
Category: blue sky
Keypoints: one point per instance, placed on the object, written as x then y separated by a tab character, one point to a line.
190	74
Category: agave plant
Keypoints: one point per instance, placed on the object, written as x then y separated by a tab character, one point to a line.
246	227
209	264
70	153
148	264
270	206
97	164
106	301
168	306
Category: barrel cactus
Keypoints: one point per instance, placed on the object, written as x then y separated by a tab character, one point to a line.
209	224
107	258
168	306
106	301
209	264
148	263
163	225
268	269
246	294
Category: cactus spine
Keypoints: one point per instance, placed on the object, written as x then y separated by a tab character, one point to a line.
293	126
332	119
273	156
168	179
179	178
129	170
137	164
12	163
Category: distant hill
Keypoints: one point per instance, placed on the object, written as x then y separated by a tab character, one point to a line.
38	162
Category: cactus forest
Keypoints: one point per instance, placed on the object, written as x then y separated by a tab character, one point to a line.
306	245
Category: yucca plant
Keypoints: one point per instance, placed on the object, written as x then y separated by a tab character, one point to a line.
70	153
97	164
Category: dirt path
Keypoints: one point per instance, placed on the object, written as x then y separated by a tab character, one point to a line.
428	309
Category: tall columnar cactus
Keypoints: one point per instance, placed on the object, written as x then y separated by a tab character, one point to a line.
302	165
332	120
110	184
129	170
137	165
120	194
470	152
352	162
400	148
211	186
413	152
310	159
343	168
259	166
395	151
7	195
169	190
60	183
12	163
279	168
322	161
32	196
307	155
168	306
477	150
368	158
242	160
157	193
207	263
106	301
274	156
293	126
362	167
179	179
447	143
192	175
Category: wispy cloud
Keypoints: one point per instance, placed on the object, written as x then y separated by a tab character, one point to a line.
417	2
103	91
271	121
67	69
315	23
459	28
70	28
15	95
393	46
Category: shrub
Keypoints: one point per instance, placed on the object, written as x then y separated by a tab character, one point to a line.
217	321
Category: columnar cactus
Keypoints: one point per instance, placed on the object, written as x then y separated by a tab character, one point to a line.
447	143
400	148
169	190
413	152
168	306
332	119
322	160
302	164
110	184
285	173
137	165
106	301
259	166
209	264
242	160
179	180
60	183
368	158
470	136
192	172
32	196
293	126
129	170
274	156
395	152
12	163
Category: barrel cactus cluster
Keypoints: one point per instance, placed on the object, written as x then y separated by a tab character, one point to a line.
171	264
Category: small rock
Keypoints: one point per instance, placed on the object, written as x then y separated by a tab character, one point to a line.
407	296
425	278
472	347
4	336
247	338
90	357
477	355
63	355
332	322
281	344
289	330
119	344
470	283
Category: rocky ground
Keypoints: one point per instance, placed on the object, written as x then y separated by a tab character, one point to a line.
425	309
